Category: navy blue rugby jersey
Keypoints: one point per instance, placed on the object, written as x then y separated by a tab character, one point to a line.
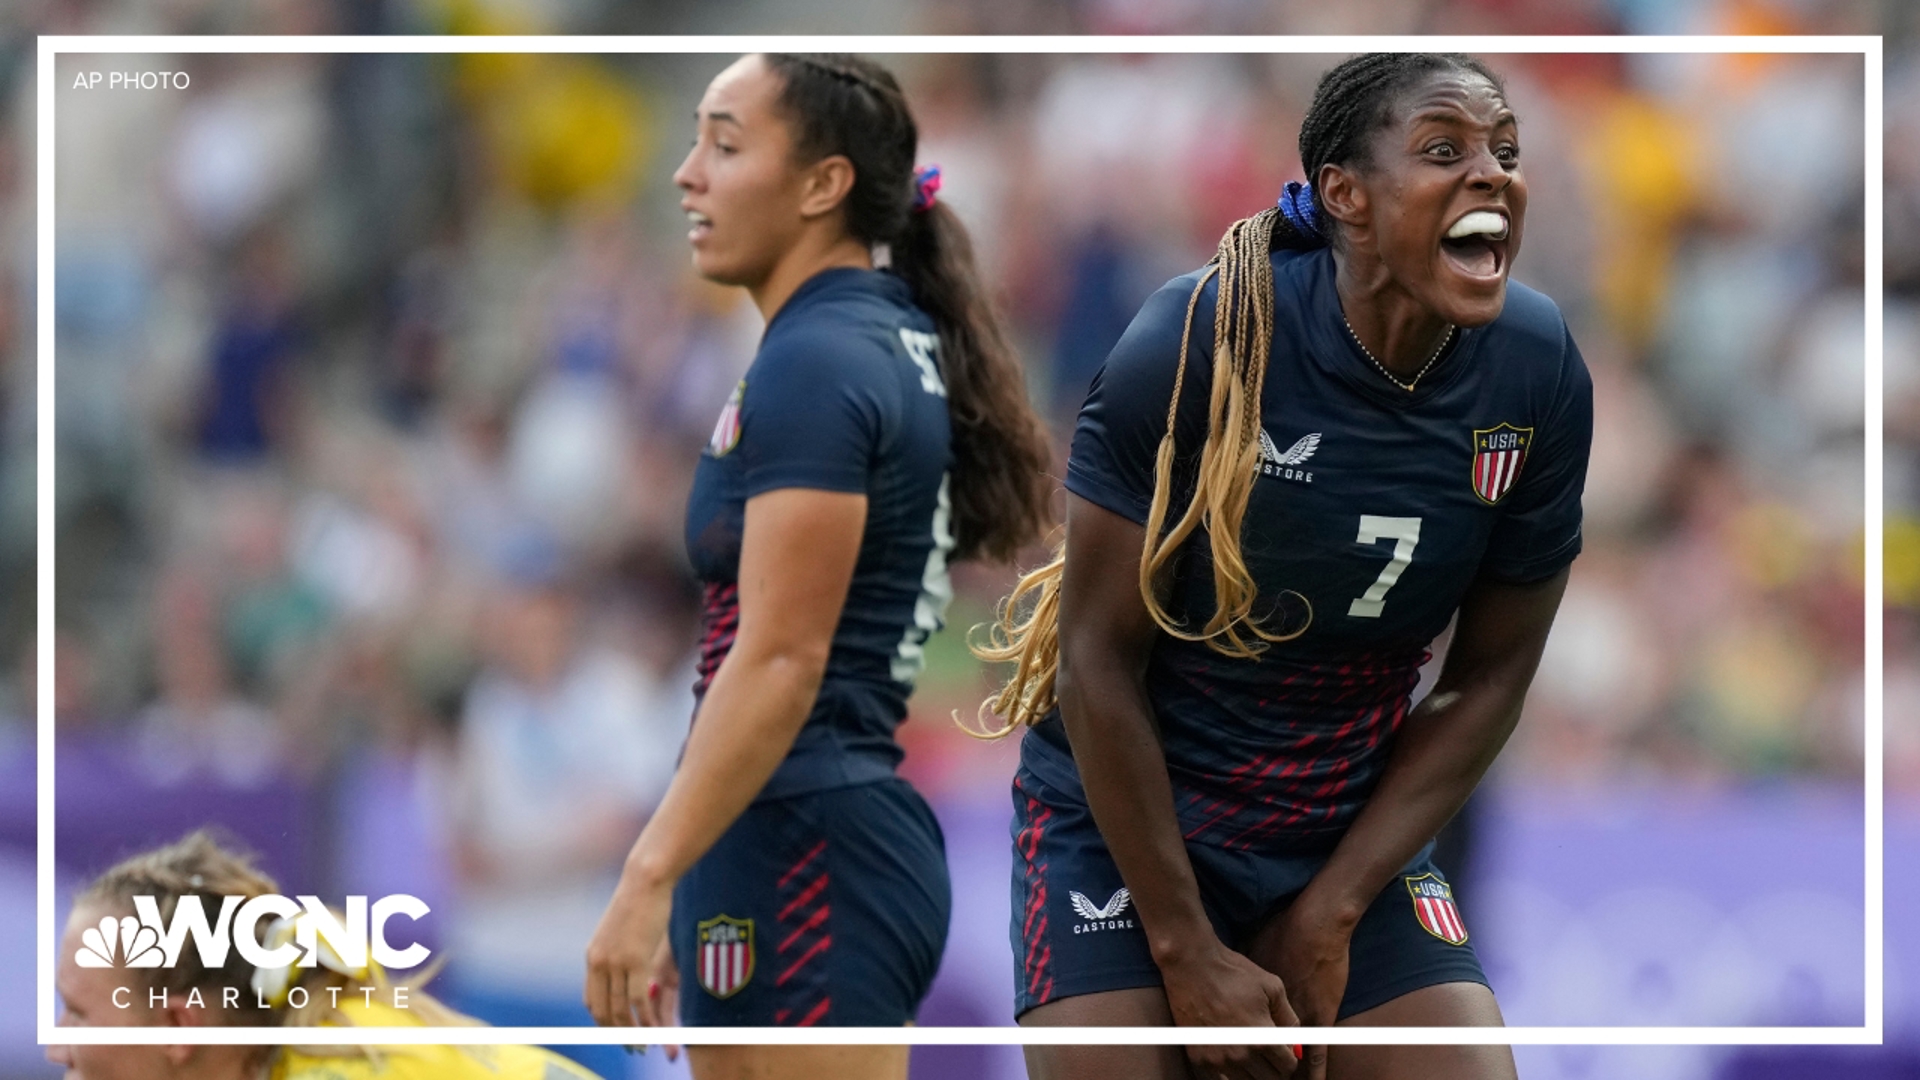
844	395
1378	506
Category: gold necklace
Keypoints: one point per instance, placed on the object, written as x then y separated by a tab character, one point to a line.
1382	368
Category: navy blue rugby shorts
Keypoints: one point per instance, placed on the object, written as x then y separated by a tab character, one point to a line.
1075	930
825	908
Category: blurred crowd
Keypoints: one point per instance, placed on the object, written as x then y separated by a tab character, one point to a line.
381	380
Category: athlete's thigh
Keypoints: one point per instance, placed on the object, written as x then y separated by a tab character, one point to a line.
1454	1004
1144	1006
798	1062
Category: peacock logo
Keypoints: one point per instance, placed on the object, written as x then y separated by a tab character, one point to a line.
125	935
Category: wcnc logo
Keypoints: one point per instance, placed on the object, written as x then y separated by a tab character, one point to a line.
145	940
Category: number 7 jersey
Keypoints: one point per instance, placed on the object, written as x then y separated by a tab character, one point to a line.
1373	511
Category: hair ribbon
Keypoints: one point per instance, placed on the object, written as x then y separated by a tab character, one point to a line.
926	181
1297	205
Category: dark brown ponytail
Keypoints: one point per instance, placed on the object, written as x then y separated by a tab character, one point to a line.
849	105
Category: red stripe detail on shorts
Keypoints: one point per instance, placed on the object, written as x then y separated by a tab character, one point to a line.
814	922
816	949
1039	956
806	897
797	867
815	1014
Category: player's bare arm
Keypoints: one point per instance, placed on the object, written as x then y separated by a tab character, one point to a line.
1105	636
1443	749
790	600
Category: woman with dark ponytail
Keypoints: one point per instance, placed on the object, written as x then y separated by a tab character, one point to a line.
789	877
1297	467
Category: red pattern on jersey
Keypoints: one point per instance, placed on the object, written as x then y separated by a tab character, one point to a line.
719	624
1305	776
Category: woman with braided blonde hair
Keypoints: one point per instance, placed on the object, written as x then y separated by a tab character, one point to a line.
191	994
1296	468
789	877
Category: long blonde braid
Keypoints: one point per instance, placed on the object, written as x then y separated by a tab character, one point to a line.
1026	632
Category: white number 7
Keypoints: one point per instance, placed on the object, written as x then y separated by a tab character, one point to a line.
1405	534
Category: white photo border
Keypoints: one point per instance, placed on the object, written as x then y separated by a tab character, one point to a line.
1870	1032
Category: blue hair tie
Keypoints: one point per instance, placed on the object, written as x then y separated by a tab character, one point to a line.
1297	206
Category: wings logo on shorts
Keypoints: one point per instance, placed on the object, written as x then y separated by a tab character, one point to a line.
726	430
1498	453
1115	904
1433	905
726	954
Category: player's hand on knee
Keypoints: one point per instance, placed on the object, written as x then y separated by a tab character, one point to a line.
1313	1062
1308	949
1217	987
1288	1058
1315	970
1221	988
1266	1062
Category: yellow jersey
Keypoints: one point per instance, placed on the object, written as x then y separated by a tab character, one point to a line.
421	1062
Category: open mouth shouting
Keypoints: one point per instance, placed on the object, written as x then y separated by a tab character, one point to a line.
1476	244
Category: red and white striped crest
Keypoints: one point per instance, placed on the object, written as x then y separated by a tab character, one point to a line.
1433	905
726	954
1498	453
726	430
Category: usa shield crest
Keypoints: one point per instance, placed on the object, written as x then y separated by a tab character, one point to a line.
724	945
1433	905
1498	454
